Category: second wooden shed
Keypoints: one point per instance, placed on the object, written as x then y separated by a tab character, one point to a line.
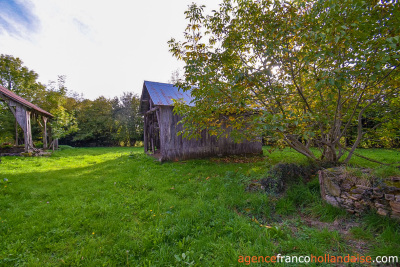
161	128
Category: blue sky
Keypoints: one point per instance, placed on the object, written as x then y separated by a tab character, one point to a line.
103	47
17	18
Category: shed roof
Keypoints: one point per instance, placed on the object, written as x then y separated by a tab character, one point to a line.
162	94
11	95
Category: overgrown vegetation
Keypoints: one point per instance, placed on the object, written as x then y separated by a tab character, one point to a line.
117	206
77	121
307	73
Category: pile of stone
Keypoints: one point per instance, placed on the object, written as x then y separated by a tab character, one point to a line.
358	192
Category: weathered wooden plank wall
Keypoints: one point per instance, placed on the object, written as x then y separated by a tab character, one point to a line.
175	147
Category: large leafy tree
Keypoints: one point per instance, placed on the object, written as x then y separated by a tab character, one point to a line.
19	79
305	71
128	120
95	123
107	122
55	100
16	77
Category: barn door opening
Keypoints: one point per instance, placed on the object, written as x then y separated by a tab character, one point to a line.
152	132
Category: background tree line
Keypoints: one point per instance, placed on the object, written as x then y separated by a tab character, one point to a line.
78	121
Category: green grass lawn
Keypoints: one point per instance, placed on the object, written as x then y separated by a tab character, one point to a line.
117	206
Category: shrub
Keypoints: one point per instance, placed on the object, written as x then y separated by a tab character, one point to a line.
286	173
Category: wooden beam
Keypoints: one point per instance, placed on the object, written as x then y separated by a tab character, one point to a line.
145	133
12	108
28	132
158	115
23	117
152	110
16	132
44	132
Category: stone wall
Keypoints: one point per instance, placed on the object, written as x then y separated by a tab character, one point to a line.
358	191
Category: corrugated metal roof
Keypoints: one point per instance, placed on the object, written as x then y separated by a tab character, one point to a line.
163	94
9	94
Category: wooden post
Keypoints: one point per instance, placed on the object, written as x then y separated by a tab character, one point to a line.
152	134
29	141
44	132
145	134
23	117
16	132
28	131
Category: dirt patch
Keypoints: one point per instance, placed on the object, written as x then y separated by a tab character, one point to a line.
343	226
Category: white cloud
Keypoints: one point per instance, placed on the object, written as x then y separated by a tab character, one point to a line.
103	47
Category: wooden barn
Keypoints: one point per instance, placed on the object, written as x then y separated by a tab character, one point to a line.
161	128
23	110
